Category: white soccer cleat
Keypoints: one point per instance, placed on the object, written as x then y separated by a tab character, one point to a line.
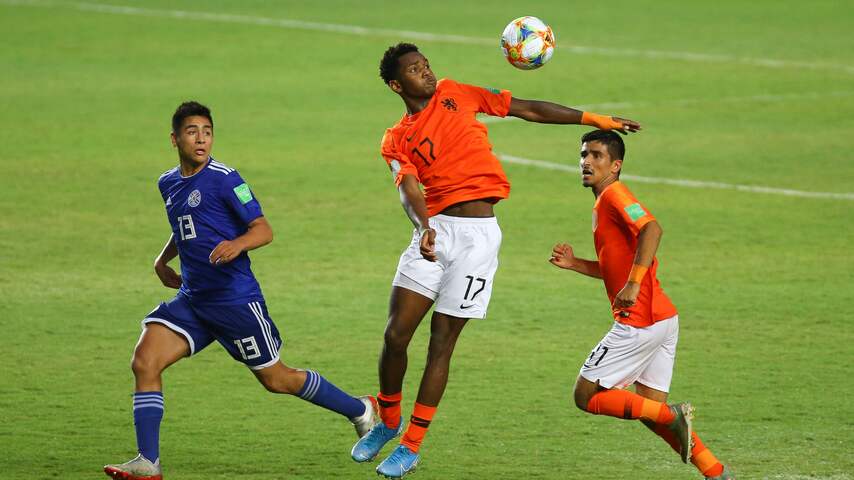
140	468
365	422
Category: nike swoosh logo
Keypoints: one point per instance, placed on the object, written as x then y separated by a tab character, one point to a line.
463	307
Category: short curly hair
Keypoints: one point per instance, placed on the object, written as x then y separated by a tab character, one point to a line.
389	65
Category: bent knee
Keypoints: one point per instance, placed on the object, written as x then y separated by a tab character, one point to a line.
582	395
144	364
581	401
396	340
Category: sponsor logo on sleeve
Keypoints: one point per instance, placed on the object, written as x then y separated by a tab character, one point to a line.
635	211
243	193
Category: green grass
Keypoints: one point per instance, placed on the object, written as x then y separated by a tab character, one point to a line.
763	282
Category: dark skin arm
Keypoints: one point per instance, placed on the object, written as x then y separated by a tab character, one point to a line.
548	112
648	240
415	207
259	234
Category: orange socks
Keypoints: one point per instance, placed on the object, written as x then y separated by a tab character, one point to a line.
419	422
390	409
704	460
630	406
701	456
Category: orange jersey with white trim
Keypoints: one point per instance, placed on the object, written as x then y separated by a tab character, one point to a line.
447	149
617	220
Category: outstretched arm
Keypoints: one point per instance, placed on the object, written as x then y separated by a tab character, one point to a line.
416	209
563	257
648	240
167	275
548	112
260	233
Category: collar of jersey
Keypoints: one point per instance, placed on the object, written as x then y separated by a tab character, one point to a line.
207	162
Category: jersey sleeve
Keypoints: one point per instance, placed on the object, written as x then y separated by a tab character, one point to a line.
397	161
239	198
490	101
631	214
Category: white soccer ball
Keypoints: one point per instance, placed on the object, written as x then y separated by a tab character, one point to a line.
528	43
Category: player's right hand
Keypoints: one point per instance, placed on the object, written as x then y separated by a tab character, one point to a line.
168	276
562	256
428	244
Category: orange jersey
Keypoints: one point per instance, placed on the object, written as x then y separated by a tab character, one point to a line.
617	220
447	149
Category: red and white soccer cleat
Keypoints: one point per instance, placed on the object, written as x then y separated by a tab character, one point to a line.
367	420
140	468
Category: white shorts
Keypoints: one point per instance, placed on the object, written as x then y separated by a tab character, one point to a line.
460	280
629	354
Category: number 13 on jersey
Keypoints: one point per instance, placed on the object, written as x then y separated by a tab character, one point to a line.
186	227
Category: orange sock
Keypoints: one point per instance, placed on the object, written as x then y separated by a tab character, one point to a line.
704	460
630	406
419	422
390	408
701	456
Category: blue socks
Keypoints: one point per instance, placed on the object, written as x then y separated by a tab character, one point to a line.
319	391
147	413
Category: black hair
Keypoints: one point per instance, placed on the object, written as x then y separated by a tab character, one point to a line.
389	65
189	109
611	139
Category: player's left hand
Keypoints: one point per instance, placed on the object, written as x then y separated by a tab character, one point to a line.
226	251
628	125
628	296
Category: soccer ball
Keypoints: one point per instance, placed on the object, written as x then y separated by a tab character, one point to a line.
528	43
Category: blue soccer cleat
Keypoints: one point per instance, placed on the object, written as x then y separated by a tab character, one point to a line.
367	448
401	461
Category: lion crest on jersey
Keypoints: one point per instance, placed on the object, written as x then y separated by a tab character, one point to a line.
195	198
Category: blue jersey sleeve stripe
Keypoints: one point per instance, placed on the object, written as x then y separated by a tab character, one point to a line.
218	169
221	165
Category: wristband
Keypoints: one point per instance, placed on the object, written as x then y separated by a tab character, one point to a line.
603	122
637	273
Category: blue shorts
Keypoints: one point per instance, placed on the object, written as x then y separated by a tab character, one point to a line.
245	331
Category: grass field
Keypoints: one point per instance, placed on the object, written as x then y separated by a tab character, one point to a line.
746	93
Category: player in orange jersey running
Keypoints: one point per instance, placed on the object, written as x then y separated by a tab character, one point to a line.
640	348
453	255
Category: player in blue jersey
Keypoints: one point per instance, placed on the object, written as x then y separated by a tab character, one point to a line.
215	220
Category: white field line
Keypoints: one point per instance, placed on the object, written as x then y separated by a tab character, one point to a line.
413	35
682	182
409	35
772	98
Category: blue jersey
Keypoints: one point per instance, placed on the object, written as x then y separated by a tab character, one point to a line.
213	205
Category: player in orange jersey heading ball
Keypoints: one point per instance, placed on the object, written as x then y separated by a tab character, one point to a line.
641	347
453	254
